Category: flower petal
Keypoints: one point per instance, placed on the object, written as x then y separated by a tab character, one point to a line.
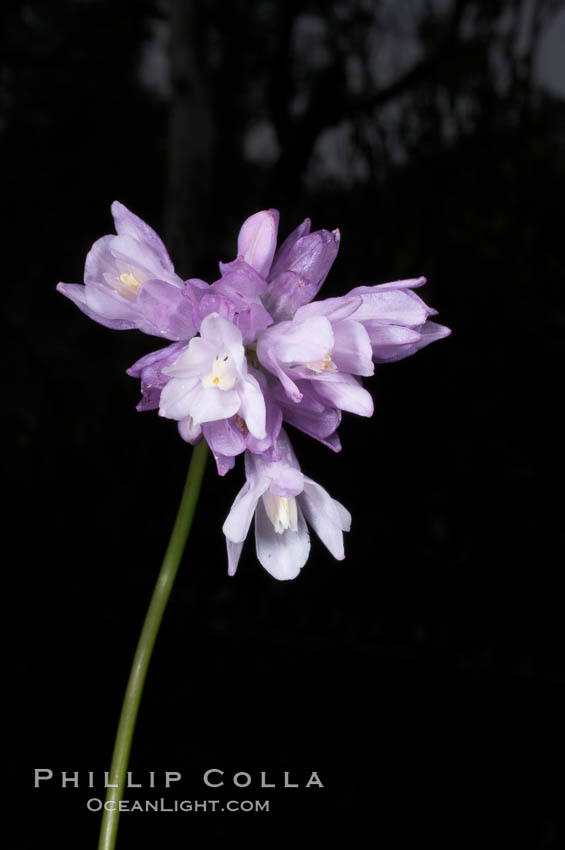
352	350
189	431
425	334
77	294
224	437
257	240
194	362
324	516
131	225
345	392
333	309
252	407
282	555
234	552
241	512
286	251
100	261
106	303
166	310
210	404
223	336
178	398
393	306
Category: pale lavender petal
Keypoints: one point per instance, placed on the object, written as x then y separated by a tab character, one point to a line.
344	516
77	294
106	303
297	342
252	321
150	398
286	481
189	431
241	287
273	419
289	386
273	424
223	336
142	256
252	407
312	416
310	259
207	405
333	309
286	452
332	442
194	361
282	555
129	224
394	306
352	350
345	392
178	398
409	283
427	333
240	280
150	370
318	425
224	463
234	552
286	252
214	302
323	515
241	513
100	261
280	298
258	239
224	437
166	310
156	359
390	335
267	347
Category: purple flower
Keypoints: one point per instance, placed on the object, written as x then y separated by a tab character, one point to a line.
210	380
396	319
130	282
149	370
237	297
323	345
228	438
283	500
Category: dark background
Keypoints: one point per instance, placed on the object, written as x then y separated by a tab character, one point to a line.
422	676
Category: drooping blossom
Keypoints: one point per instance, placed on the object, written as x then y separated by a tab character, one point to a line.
283	501
253	350
130	282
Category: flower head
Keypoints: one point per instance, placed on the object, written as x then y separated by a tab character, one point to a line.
251	351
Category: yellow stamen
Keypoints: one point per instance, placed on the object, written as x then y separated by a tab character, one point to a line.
220	376
131	281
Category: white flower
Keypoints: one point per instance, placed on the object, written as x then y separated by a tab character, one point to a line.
210	380
282	499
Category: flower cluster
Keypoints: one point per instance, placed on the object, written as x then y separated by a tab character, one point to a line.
251	351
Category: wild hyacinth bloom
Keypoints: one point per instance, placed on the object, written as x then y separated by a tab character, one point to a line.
130	282
282	500
251	351
210	380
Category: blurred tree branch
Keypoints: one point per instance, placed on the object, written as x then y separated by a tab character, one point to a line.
330	103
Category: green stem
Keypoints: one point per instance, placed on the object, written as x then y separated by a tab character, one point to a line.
146	643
